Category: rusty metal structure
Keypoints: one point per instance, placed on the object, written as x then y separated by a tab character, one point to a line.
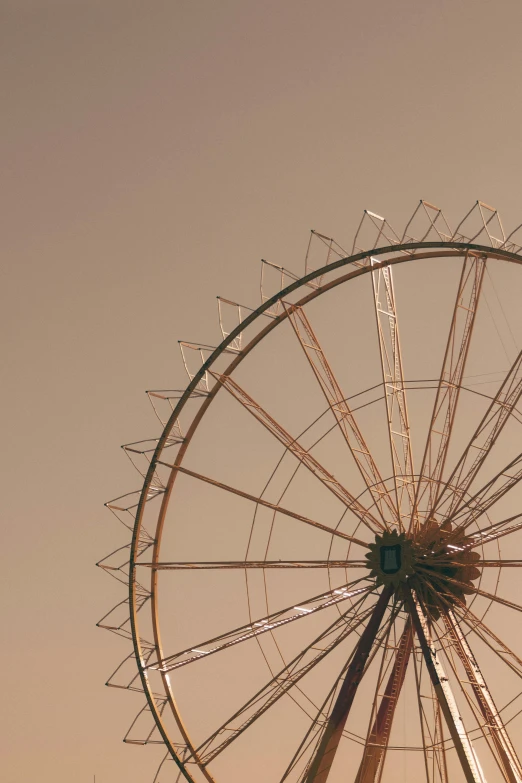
419	599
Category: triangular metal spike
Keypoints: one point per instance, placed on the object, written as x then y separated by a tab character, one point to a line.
321	252
482	224
143	729
492	224
140	453
126	676
117	563
373	231
164	402
117	620
231	316
274	279
148	446
514	240
175	774
194	356
167	757
427	223
124	507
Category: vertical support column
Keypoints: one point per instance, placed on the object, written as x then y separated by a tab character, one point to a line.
508	759
321	764
379	735
465	752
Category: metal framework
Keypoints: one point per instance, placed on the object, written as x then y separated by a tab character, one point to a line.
383	713
395	394
450	382
417	590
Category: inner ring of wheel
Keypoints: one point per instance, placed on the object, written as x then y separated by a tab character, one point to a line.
409	253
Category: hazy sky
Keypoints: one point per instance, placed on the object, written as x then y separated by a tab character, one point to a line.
152	153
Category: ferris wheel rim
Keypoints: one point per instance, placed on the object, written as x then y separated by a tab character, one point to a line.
410	252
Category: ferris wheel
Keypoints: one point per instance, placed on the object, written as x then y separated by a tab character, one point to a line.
322	562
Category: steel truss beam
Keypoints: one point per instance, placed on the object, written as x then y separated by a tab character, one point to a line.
495	644
452	372
508	760
282	682
321	764
258	627
327	479
343	414
483	440
379	735
465	752
394	388
435	746
494	531
443	581
487	496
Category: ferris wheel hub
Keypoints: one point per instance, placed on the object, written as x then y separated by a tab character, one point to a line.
391	558
436	561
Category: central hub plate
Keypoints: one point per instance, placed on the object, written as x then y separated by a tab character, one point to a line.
391	559
438	563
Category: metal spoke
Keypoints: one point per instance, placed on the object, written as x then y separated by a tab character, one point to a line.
477	564
483	440
498	563
452	372
510	764
282	682
493	532
263	625
492	597
489	638
327	479
242	564
481	726
469	587
395	390
488	495
272	506
379	734
321	764
314	731
341	410
465	752
436	735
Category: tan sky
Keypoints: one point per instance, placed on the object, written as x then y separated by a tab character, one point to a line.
152	153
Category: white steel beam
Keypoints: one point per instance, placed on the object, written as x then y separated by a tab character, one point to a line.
465	751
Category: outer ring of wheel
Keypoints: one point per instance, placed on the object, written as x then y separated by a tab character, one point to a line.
412	251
